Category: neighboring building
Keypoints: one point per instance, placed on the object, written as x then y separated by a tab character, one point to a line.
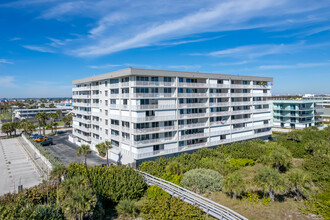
148	113
285	97
324	112
31	113
294	114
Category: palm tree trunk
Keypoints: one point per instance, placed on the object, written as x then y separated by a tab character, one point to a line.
86	160
107	158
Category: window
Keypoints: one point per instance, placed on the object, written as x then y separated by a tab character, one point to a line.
154	90
154	79
106	131
106	121
220	81
142	78
167	90
124	101
167	79
106	112
106	83
180	79
106	102
112	101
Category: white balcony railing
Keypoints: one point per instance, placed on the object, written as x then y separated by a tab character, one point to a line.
240	103
194	85
193	115
219	94
188	126
192	105
192	95
240	86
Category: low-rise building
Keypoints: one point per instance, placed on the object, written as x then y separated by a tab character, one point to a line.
324	104
31	113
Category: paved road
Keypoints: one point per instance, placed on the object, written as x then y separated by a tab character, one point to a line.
16	168
66	151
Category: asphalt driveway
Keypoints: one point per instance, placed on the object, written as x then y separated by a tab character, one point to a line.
64	150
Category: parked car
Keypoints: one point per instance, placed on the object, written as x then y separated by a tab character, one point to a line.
47	142
34	136
39	139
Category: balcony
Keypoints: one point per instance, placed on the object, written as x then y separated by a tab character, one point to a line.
154	141
242	129
261	110
240	103
193	105
196	125
151	118
81	96
219	94
219	104
83	128
219	85
260	102
240	94
220	113
199	115
82	136
241	120
154	95
262	126
95	105
155	129
193	85
218	123
245	86
261	94
151	83
192	136
261	87
215	133
82	120
80	112
81	88
192	95
144	107
261	134
81	104
193	146
238	112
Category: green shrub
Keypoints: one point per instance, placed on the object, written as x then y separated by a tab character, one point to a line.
176	179
234	184
319	168
170	208
154	192
127	207
202	180
319	204
238	163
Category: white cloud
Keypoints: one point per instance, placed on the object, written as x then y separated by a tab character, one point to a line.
38	48
103	66
232	63
7	81
254	51
294	66
6	61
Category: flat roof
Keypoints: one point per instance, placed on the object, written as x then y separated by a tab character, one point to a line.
153	72
44	109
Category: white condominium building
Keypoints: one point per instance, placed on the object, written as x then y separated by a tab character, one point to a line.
148	113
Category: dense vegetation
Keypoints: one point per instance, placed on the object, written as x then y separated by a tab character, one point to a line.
77	192
293	166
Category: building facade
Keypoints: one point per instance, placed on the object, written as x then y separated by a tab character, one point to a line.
295	114
324	111
148	113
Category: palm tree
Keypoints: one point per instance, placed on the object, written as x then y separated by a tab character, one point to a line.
15	126
270	180
84	150
60	114
280	157
57	174
42	117
6	128
53	116
299	183
234	184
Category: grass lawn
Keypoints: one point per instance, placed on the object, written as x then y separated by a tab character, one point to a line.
288	209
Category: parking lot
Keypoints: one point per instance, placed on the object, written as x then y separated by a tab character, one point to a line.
66	151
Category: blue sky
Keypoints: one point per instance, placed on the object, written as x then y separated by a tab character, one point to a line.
45	44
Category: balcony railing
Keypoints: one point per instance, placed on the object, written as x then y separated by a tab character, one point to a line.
220	113
237	112
193	115
242	129
81	104
240	103
81	96
219	94
195	125
148	130
187	84
152	118
192	136
219	104
82	136
192	105
219	85
241	120
193	95
153	141
240	94
153	95
81	88
240	86
218	123
260	102
81	112
82	120
261	87
151	83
